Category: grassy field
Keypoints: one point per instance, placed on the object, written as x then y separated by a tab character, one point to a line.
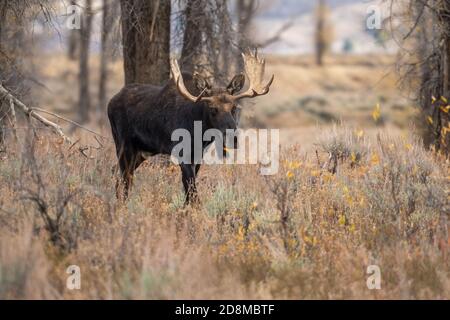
350	193
303	233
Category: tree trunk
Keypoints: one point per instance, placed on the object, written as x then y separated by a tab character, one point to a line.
227	53
433	49
146	40
85	37
3	4
2	62
446	61
12	48
320	29
246	12
207	39
110	9
444	118
193	34
425	69
73	43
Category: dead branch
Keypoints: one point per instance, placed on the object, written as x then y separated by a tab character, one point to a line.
13	118
277	36
29	112
69	121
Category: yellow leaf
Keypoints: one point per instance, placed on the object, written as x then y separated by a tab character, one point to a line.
315	173
430	120
353	156
376	114
446	109
433	99
444	99
307	239
341	220
289	175
360	133
352	228
375	159
294	165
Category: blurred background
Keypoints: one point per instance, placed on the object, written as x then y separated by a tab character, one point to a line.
356	62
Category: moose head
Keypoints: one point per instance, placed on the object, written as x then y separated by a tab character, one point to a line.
223	103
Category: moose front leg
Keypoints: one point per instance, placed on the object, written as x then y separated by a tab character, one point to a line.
129	161
188	173
125	185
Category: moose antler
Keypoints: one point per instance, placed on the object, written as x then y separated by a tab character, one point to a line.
178	78
254	68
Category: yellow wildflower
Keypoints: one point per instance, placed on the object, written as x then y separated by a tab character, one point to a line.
375	159
307	239
315	173
445	109
342	220
353	156
359	133
289	174
352	228
294	165
376	114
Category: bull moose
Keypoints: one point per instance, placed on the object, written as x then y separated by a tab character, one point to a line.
143	117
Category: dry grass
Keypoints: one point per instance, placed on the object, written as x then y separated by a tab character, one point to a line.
308	232
303	233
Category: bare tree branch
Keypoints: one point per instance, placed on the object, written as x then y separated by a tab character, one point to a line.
29	112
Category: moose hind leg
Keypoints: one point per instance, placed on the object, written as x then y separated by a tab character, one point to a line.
188	178
127	165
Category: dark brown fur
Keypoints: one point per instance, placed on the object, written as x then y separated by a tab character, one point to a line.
143	117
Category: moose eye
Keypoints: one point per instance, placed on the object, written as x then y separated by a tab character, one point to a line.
235	110
214	111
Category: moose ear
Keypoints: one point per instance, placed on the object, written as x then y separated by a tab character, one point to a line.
236	84
200	82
